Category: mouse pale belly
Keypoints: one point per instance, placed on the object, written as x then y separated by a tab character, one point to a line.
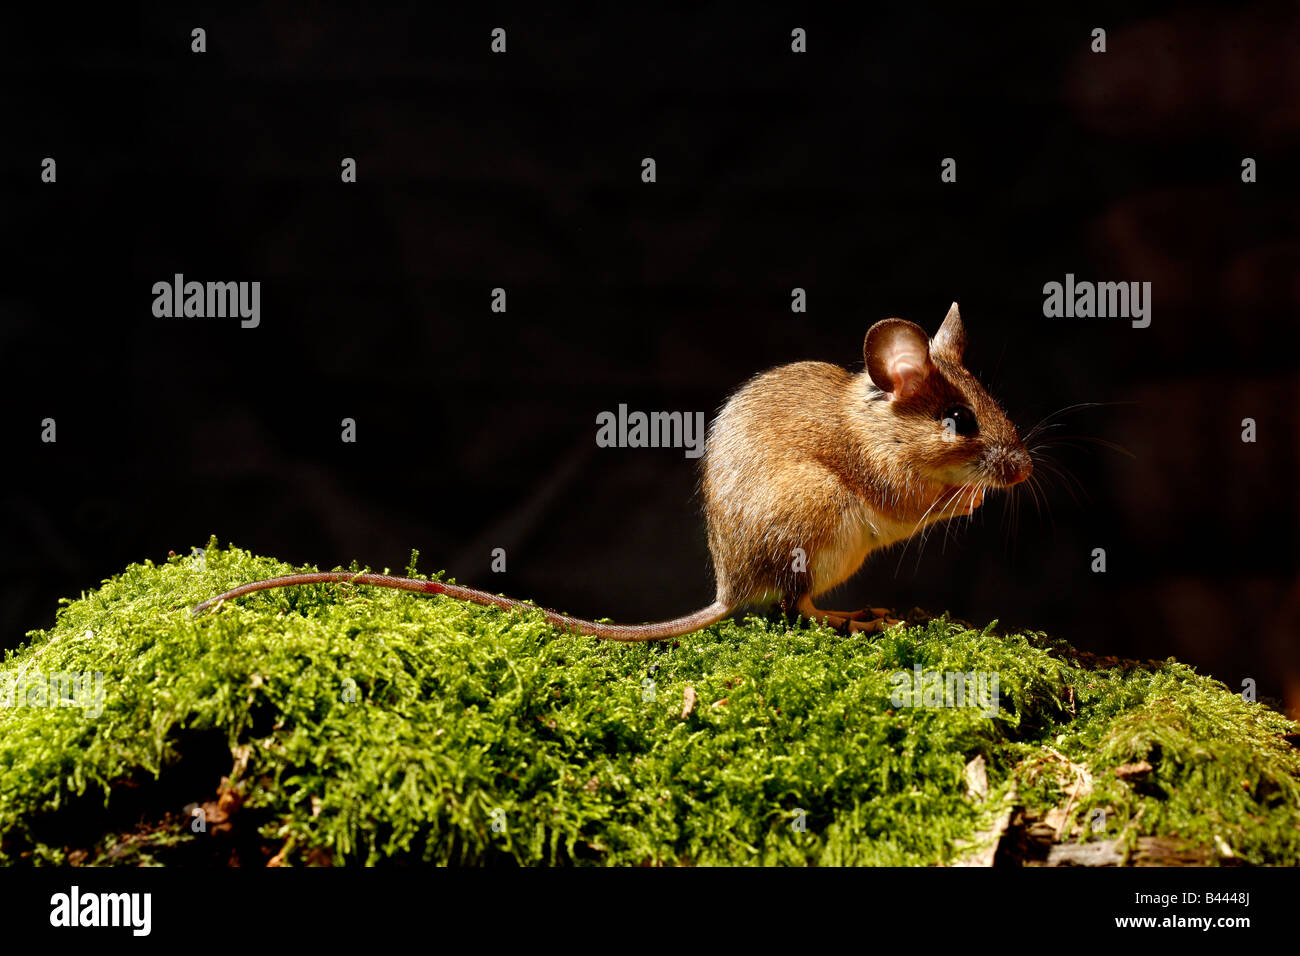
859	533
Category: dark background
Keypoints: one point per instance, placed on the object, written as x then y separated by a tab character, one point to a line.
775	170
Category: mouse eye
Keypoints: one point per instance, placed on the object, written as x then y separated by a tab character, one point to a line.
960	420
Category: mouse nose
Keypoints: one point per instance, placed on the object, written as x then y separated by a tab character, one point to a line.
1013	466
1022	466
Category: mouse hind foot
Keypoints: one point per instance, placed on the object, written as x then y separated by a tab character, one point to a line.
869	620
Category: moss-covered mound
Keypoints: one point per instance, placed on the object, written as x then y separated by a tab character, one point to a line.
340	724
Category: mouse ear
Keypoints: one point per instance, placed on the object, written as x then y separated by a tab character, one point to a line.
950	341
898	357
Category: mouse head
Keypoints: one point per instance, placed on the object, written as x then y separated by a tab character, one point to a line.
946	430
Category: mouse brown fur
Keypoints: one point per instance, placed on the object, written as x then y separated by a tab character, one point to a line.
809	468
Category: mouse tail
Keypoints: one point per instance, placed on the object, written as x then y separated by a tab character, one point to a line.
656	631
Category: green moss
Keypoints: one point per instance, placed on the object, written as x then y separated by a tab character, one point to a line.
360	725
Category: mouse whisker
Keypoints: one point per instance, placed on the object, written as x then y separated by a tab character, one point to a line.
950	527
1041	485
1011	519
1068	441
1043	423
924	532
1055	469
1032	485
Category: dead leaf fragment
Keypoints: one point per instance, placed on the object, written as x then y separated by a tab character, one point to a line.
977	779
1130	770
217	813
1075	792
241	754
688	701
988	840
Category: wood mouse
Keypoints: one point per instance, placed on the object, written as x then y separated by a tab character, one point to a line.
809	468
